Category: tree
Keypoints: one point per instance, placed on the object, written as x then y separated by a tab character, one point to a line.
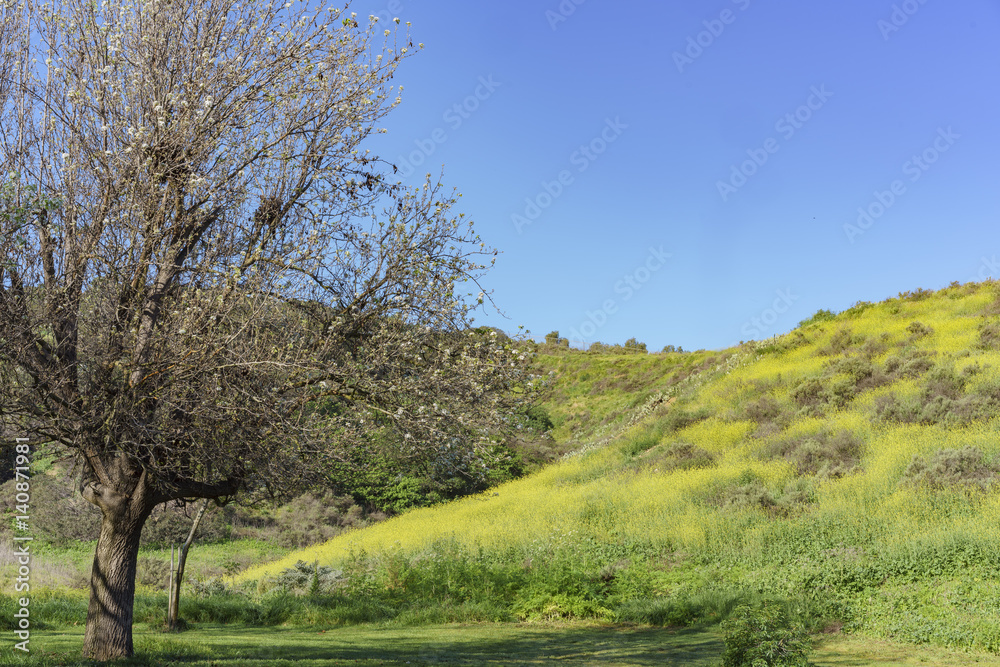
177	574
207	284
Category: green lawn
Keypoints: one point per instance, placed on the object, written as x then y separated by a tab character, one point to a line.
484	644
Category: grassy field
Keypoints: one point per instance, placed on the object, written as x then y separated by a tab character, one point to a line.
479	644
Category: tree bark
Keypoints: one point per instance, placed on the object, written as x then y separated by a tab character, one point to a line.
175	589
112	579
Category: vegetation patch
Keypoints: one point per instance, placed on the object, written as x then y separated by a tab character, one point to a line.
825	454
676	456
952	467
764	636
842	340
750	493
943	400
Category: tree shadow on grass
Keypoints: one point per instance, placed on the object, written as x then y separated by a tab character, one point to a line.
526	644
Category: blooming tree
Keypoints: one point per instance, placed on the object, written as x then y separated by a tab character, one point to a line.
207	284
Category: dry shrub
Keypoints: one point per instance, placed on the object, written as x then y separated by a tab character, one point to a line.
841	341
952	467
918	330
943	400
910	363
989	335
824	454
685	456
810	396
310	519
749	493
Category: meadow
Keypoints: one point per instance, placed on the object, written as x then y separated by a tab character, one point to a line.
846	471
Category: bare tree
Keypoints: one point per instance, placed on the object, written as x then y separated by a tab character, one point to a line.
207	284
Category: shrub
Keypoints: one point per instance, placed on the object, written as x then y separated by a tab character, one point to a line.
824	454
685	456
989	334
764	636
678	418
862	372
952	467
918	294
818	316
536	418
810	395
918	330
841	341
858	308
678	456
309	577
746	494
310	519
764	409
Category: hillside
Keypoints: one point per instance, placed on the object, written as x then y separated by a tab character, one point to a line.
848	468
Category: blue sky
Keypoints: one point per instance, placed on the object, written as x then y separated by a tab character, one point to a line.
701	173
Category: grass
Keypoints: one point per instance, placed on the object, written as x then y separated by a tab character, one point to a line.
479	644
835	529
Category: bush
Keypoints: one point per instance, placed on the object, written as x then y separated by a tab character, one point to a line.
536	418
918	294
678	418
310	519
685	456
677	456
989	335
824	454
952	467
309	577
764	636
918	330
819	316
841	341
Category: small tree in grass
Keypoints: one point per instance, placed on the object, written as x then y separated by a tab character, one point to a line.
207	285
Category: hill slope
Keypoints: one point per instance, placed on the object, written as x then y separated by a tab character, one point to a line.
848	467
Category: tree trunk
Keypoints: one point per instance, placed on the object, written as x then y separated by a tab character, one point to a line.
175	589
112	580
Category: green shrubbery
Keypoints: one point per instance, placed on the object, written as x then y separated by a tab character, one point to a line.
764	636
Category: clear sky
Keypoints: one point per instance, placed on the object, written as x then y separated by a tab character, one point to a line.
701	172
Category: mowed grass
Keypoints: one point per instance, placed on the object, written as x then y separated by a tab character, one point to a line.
479	644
